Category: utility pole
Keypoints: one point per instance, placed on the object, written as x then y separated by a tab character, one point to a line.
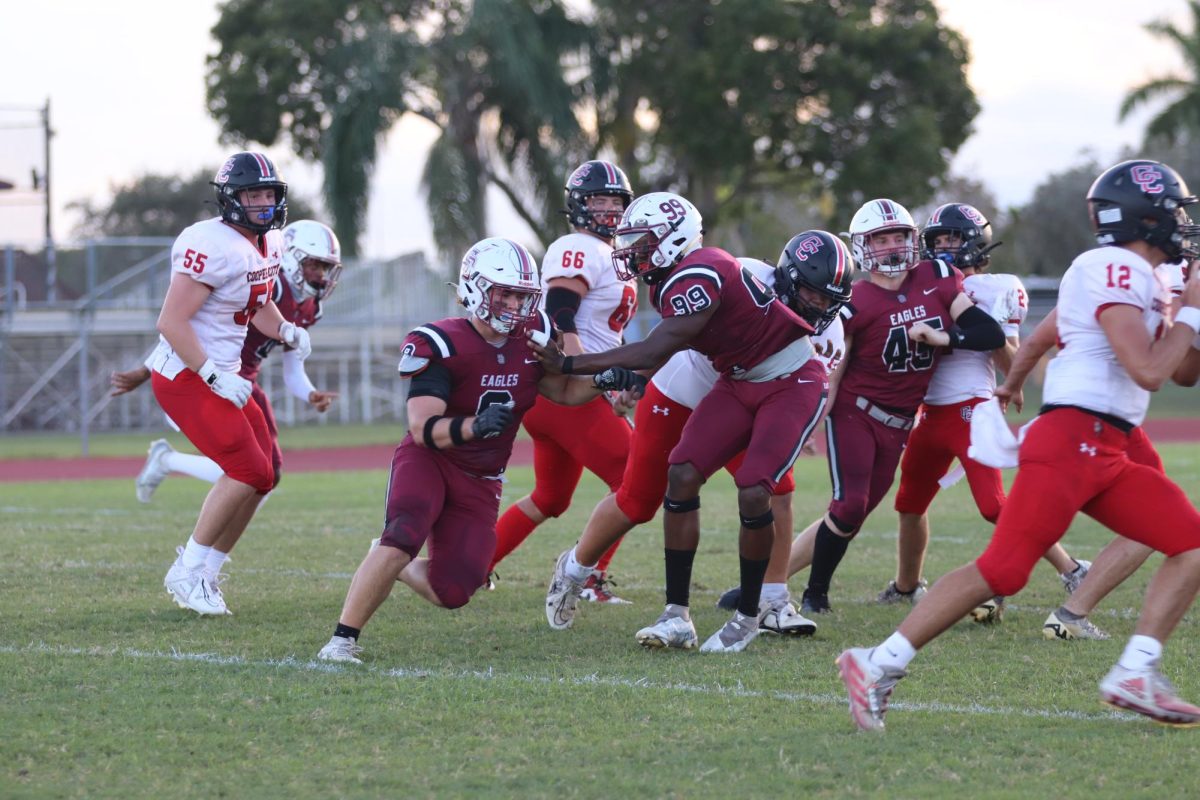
51	267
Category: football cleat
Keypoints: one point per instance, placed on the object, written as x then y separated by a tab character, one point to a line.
341	648
815	603
1057	626
153	471
1147	692
671	630
730	598
1072	579
783	618
191	589
562	596
596	590
734	636
489	583
868	686
891	595
989	611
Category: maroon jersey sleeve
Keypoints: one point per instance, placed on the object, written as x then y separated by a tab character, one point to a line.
949	282
689	290
422	346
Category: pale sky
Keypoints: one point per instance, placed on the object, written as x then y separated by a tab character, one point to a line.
126	84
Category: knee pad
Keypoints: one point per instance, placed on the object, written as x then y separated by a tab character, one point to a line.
452	594
681	506
842	526
761	521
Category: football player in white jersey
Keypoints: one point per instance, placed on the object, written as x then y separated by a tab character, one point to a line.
223	274
679	386
960	235
1121	557
1119	345
591	306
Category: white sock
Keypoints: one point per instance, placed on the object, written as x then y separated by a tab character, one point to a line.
1141	652
678	611
576	571
200	467
896	652
195	554
213	563
775	593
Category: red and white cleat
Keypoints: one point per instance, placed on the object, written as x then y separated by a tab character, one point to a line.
868	685
1147	692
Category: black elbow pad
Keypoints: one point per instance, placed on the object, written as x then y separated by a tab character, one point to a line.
976	330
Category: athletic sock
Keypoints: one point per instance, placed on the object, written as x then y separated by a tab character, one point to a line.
213	563
1141	652
752	571
895	652
606	559
679	575
1067	615
775	593
195	554
346	632
513	527
197	466
576	571
828	549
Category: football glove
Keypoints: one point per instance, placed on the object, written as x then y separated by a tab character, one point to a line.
492	421
618	379
296	338
230	385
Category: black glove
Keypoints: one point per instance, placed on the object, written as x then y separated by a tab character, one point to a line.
618	379
492	421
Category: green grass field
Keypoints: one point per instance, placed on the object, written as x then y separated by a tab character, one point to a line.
109	690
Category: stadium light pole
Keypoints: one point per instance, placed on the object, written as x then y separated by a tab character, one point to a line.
51	261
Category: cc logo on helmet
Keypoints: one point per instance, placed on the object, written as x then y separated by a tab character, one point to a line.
226	168
809	247
579	175
971	213
1147	177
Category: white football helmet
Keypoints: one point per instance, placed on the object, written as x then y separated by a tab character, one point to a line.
490	268
884	215
304	239
656	232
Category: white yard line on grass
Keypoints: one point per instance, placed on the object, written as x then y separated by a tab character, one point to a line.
738	690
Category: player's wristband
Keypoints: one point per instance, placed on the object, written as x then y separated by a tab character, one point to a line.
568	365
208	372
1190	316
427	434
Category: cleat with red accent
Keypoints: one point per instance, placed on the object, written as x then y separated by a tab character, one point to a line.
868	685
1147	692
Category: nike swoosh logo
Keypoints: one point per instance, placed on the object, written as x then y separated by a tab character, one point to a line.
930	291
800	381
532	361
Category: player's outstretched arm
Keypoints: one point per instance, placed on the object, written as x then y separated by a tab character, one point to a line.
433	430
124	382
666	338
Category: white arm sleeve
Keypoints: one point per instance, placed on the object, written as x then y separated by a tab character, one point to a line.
294	376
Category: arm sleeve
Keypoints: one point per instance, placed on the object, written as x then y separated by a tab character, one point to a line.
294	376
976	330
562	305
433	381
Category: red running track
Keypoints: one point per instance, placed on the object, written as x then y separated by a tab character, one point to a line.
379	456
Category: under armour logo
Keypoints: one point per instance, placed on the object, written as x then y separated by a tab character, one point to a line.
1090	449
966	413
664	410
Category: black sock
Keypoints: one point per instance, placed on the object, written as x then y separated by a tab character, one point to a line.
679	575
346	632
828	550
752	581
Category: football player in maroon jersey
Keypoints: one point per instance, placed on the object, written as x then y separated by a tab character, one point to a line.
472	379
768	399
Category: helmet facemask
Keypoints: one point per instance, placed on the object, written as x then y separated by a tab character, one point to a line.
890	260
635	254
501	314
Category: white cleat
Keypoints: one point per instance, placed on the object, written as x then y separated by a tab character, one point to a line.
153	471
1072	579
341	648
868	685
989	611
784	619
892	595
191	589
562	597
598	589
671	630
734	636
1147	692
1057	626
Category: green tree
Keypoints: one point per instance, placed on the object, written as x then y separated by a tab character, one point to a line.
1047	233
837	101
1182	113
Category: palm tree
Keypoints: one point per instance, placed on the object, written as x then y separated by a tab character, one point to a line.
1182	115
